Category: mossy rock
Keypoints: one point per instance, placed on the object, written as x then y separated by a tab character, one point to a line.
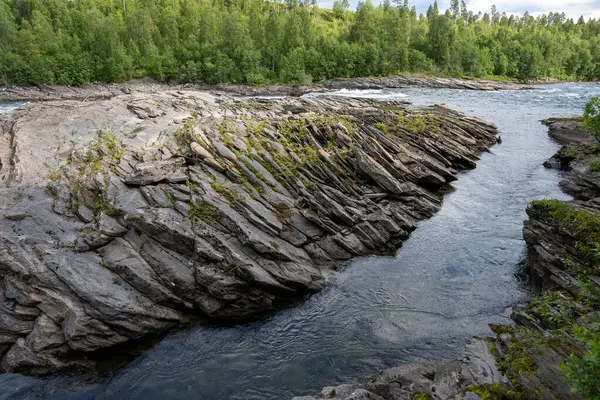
496	391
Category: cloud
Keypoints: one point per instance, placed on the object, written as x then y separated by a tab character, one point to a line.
572	8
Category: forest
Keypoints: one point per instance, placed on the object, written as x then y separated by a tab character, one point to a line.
73	42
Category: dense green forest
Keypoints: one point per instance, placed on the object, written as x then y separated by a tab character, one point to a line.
257	41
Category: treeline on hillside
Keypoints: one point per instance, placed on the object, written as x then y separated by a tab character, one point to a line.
256	41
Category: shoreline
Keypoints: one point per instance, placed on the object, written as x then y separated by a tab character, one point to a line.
524	360
133	213
477	349
95	91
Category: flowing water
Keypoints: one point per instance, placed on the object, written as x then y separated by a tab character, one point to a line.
454	276
6	107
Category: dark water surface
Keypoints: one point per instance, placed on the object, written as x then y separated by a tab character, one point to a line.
453	276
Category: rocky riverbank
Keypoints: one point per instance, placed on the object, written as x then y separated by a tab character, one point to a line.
406	81
106	91
545	353
132	214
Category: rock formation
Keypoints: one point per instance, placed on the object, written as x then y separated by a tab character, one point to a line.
579	158
407	81
128	215
459	379
563	239
103	91
524	361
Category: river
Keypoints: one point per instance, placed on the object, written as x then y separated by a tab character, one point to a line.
454	276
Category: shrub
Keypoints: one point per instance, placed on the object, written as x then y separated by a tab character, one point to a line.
591	116
583	373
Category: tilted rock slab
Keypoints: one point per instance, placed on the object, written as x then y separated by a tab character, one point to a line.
124	217
522	361
553	250
430	380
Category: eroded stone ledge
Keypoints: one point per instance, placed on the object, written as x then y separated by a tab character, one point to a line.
124	217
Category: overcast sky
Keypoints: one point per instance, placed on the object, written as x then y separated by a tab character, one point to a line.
572	8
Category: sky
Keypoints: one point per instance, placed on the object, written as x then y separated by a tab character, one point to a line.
572	8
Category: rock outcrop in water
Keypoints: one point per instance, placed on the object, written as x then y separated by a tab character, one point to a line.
579	158
524	361
105	91
459	379
563	240
558	251
407	81
124	217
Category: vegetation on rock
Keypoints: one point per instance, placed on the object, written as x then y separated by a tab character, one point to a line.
223	207
583	372
556	337
495	391
571	232
554	351
569	312
583	225
591	116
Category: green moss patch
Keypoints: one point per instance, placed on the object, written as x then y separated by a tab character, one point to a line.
495	391
583	225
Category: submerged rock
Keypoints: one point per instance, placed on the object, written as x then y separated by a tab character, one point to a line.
127	216
525	361
459	379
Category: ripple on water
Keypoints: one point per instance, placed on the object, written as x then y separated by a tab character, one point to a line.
451	278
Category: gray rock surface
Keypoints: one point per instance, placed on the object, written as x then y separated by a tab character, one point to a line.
549	244
128	215
531	352
98	91
436	380
568	131
560	237
405	81
579	158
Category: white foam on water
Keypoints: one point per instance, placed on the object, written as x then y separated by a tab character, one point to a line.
7	107
369	93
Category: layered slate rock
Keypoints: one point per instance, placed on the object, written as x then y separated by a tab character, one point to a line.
579	158
523	361
562	236
124	217
562	264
